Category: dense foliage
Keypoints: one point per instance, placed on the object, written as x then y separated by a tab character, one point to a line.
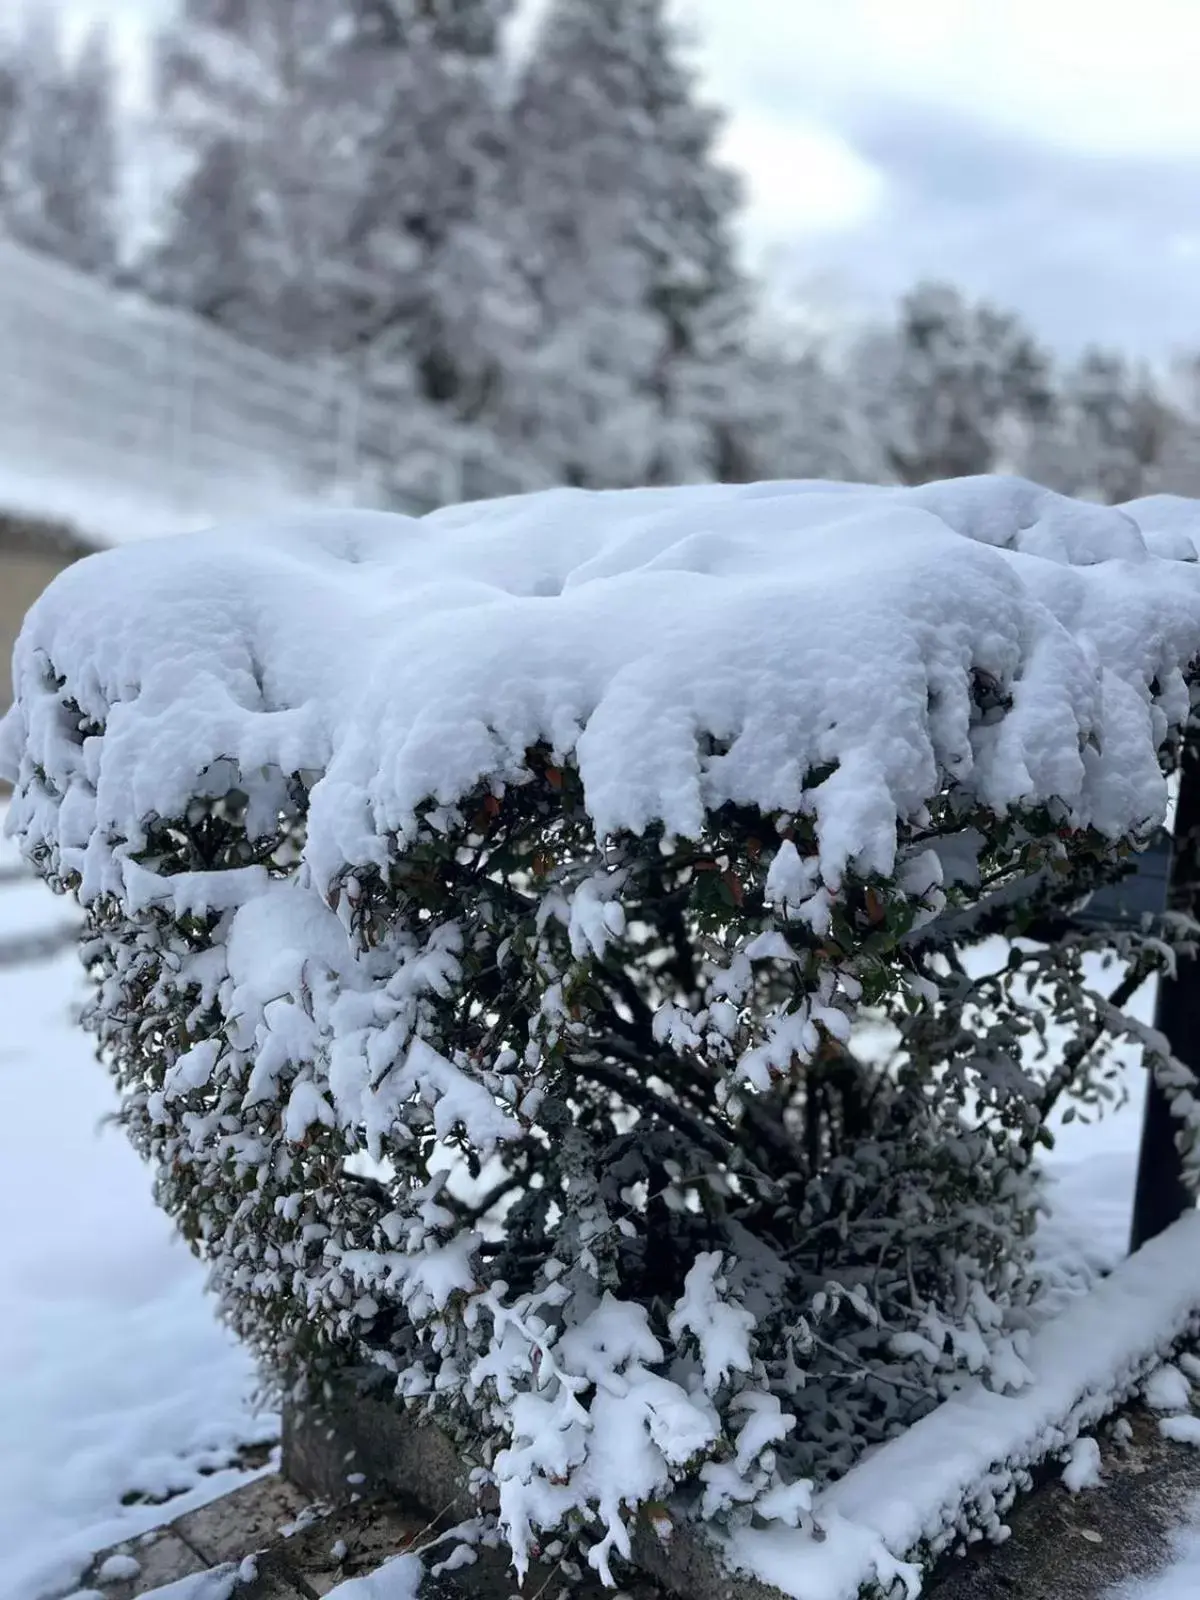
627	1185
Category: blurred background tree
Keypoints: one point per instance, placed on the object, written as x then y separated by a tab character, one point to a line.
534	256
58	146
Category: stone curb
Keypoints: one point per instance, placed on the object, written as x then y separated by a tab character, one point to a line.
357	1440
369	1505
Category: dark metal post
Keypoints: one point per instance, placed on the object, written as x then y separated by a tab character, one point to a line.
1160	1197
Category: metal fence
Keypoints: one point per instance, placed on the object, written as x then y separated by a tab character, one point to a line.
104	393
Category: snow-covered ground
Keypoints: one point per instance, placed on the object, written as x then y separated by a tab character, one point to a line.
1094	1163
115	1377
135	420
104	513
1091	1191
1181	1581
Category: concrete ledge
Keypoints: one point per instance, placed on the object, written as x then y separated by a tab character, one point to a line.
360	1443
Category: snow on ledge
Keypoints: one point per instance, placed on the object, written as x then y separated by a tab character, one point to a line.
910	1495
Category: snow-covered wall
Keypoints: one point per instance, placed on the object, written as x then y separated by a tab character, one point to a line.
128	419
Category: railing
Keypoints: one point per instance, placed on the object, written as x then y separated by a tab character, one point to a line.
104	394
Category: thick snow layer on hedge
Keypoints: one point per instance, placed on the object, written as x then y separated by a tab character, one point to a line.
688	646
911	1495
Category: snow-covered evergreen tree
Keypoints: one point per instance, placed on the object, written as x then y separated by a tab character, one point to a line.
61	176
341	200
627	223
951	388
439	313
91	197
8	112
251	237
791	411
1179	471
1112	432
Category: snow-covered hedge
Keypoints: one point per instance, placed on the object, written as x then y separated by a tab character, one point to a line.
481	909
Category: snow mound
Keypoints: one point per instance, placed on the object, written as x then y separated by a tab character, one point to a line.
1183	1430
1168	1390
398	1579
832	648
1082	1470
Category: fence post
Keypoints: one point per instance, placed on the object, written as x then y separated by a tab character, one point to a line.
1161	1197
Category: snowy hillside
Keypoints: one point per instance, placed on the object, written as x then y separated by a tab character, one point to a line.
128	420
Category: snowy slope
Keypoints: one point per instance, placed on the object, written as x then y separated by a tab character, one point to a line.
128	419
115	1377
106	511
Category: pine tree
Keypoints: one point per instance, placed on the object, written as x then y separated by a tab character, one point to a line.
61	166
93	154
785	416
341	201
1114	435
791	408
951	389
1179	469
205	261
438	311
627	223
9	99
250	238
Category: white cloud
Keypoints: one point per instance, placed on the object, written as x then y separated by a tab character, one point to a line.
801	178
1039	151
1110	78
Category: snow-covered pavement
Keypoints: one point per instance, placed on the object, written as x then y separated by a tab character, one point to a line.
1179	1581
115	1378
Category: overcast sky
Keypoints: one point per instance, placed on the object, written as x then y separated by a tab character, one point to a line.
1043	152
